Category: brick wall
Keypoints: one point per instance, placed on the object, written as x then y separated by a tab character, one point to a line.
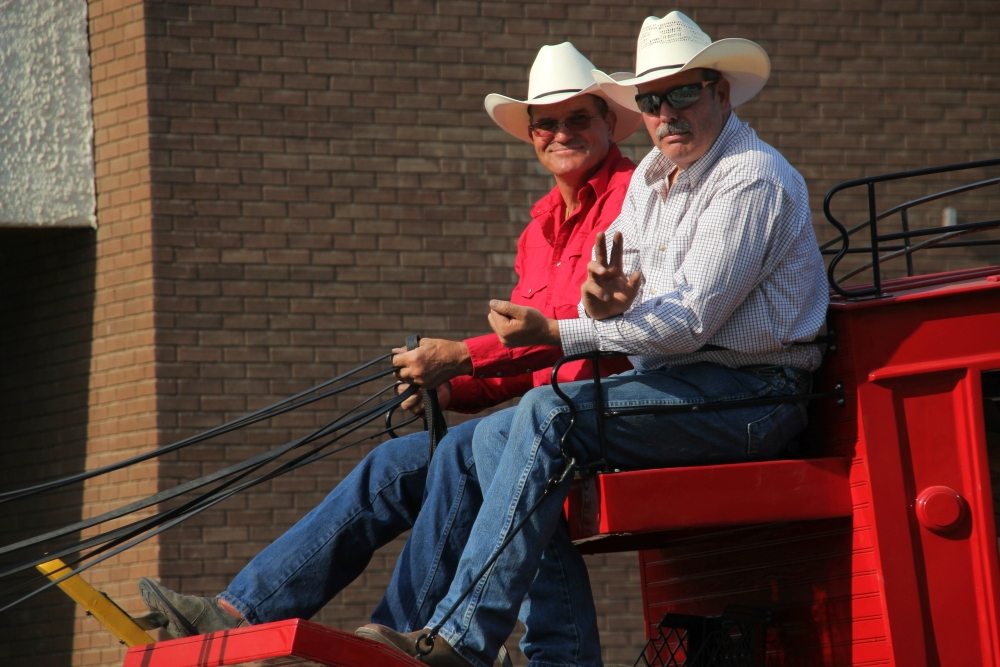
288	187
124	392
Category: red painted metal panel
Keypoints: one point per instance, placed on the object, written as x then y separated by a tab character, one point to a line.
940	583
921	428
895	586
291	642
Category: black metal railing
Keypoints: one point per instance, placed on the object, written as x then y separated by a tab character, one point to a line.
883	245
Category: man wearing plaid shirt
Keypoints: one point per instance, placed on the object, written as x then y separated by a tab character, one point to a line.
710	280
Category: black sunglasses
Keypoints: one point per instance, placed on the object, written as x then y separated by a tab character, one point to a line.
680	97
547	127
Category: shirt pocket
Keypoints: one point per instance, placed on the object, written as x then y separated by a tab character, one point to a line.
530	293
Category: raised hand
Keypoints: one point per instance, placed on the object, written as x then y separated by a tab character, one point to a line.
608	292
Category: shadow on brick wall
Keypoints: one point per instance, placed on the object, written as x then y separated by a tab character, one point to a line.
46	304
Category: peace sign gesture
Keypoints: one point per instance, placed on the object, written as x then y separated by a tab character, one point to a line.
608	292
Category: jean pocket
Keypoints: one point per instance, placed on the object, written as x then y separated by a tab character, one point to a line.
770	436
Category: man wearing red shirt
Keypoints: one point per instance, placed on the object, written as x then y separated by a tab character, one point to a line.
573	128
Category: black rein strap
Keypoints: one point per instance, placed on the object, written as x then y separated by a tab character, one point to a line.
434	422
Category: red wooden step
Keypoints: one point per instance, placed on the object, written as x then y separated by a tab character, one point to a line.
290	642
665	499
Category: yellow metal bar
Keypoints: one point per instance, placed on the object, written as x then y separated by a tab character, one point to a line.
96	603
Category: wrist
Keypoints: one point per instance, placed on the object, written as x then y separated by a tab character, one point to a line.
463	359
555	338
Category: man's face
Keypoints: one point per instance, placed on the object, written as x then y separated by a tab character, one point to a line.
571	137
684	135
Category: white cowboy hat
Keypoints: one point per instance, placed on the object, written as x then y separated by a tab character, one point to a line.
559	73
674	44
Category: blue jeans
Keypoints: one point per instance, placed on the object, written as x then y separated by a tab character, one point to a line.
560	590
517	453
429	558
390	491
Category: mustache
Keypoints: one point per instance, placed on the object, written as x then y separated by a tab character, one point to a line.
672	128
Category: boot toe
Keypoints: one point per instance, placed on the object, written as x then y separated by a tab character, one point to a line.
186	615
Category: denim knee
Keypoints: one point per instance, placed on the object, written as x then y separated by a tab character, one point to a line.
488	444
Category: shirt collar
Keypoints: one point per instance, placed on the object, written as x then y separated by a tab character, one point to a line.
661	165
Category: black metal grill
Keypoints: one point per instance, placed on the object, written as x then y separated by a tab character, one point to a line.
734	639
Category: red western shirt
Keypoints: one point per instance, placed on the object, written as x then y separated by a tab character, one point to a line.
551	264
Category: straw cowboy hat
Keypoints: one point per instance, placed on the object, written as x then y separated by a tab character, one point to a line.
674	44
559	73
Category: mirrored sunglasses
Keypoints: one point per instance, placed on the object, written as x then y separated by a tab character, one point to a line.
679	97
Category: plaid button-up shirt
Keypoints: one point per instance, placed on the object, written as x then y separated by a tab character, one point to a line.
731	270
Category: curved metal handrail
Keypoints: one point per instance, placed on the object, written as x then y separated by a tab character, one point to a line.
877	241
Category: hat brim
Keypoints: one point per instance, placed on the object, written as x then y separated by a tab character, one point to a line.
512	115
743	63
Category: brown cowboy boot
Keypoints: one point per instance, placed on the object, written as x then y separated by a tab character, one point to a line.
441	654
187	615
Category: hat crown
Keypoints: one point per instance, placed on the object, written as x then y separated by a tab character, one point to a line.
668	43
676	44
558	68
